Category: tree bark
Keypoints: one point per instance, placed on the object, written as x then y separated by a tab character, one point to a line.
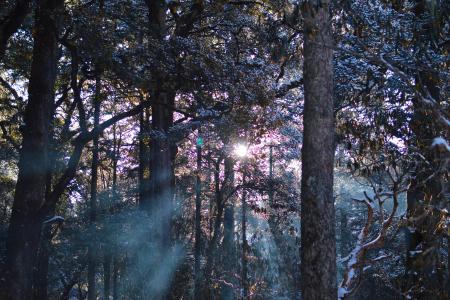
115	277
143	157
198	223
213	243
162	156
229	266
162	150
318	246
229	255
40	279
244	240
110	253
92	260
26	219
107	274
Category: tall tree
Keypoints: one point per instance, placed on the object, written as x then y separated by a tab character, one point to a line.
318	246
25	223
244	240
92	260
428	185
198	219
109	261
229	247
162	94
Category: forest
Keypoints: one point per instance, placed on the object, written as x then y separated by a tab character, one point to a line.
224	149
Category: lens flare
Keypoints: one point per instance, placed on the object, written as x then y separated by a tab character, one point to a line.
241	150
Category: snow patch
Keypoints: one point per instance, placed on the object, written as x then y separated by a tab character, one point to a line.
54	220
440	142
341	292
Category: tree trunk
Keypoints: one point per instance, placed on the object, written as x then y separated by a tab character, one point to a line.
213	243
271	191
244	240
318	246
162	149
143	157
115	277
211	199
229	266
107	274
198	222
229	253
162	178
25	223
40	280
92	260
110	250
41	271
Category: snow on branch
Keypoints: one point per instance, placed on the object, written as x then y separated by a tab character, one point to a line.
54	219
357	259
441	143
424	97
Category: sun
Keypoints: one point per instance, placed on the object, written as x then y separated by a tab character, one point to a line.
241	150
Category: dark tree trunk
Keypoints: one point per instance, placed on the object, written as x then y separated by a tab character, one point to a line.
110	251
229	255
41	272
448	265
26	219
318	246
229	266
244	240
11	23
213	243
158	201
143	157
198	223
222	193
162	149
271	191
115	278
211	200
40	280
92	260
107	274
162	156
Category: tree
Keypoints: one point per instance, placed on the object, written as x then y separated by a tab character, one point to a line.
318	247
92	261
198	218
127	187
25	223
